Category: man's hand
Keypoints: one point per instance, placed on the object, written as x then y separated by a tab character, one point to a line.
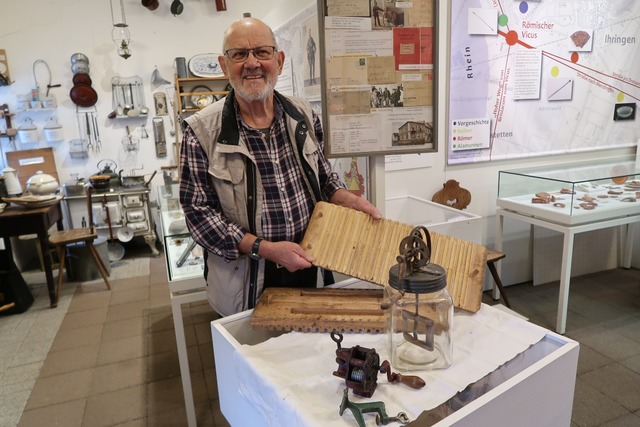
347	199
286	254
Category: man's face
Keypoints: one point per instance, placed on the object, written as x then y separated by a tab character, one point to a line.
253	79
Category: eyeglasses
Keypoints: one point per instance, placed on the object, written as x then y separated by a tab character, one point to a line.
261	53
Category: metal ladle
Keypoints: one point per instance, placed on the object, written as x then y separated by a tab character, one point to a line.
133	111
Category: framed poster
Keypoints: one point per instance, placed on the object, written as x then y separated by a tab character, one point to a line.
541	78
378	76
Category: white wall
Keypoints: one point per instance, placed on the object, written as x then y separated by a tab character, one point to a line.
52	30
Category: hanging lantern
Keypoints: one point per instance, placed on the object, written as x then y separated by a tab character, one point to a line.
120	33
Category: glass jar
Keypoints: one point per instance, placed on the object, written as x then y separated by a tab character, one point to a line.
420	319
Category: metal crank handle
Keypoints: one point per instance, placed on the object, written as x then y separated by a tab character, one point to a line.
400	418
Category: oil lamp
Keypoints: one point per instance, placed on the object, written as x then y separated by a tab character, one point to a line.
120	33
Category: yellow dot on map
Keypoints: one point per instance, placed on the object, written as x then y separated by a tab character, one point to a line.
620	96
555	71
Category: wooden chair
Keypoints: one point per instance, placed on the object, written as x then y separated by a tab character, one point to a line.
454	196
492	258
60	240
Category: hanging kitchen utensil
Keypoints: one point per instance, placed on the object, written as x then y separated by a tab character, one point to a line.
157	80
28	132
115	249
96	132
53	131
158	133
150	4
176	7
48	76
130	142
83	95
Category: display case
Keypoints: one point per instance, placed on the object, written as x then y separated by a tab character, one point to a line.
573	193
185	271
184	257
436	217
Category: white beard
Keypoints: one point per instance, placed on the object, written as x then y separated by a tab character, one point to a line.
251	92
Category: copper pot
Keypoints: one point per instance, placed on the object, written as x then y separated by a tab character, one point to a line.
150	4
100	182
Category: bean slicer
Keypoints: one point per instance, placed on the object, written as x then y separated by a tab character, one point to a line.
359	366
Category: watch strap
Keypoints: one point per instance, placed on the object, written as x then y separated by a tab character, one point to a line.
255	248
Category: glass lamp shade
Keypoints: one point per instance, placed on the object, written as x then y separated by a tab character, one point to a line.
122	39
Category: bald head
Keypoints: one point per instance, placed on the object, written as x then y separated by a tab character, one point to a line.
245	28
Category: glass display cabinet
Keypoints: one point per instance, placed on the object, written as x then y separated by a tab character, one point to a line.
573	193
571	199
185	267
184	257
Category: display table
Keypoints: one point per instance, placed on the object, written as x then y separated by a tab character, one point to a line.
294	388
569	232
570	199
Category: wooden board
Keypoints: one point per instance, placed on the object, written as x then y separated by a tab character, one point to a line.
320	310
352	243
28	162
5	65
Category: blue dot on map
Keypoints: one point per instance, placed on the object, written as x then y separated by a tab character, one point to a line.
524	6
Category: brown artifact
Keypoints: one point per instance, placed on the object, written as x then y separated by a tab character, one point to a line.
352	243
453	195
320	310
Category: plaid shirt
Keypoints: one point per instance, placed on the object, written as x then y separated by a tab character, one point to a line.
287	204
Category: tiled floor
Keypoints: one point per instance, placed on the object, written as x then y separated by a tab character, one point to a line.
113	361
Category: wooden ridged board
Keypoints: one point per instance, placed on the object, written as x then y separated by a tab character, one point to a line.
320	310
352	243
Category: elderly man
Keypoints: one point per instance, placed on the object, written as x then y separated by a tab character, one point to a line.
251	171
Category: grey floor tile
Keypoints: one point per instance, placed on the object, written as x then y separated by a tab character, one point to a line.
591	408
629	420
590	359
632	363
77	337
118	350
606	342
68	414
120	375
616	382
68	360
60	388
115	407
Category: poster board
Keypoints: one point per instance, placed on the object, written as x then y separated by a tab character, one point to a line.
299	79
542	78
379	75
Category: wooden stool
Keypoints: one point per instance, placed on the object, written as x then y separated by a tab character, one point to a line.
492	258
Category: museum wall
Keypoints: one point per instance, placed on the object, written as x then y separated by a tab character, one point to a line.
52	31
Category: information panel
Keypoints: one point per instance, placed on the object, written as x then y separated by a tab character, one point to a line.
378	76
532	78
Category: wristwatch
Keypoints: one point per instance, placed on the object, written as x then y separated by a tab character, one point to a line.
254	249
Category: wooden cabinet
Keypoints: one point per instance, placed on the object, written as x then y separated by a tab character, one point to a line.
194	93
